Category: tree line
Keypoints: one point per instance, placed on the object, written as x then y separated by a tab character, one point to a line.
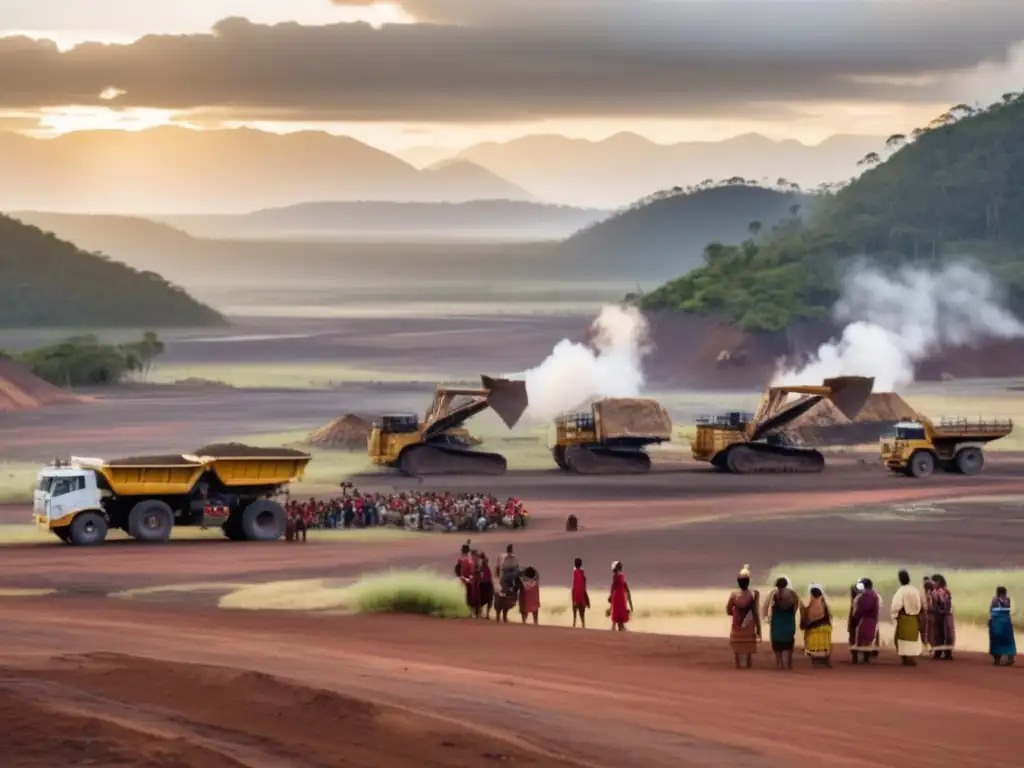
947	190
84	361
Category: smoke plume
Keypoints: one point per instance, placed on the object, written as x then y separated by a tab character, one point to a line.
574	373
894	322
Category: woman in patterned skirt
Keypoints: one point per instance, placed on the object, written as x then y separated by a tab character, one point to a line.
745	633
816	622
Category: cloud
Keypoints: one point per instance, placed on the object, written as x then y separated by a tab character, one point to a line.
498	60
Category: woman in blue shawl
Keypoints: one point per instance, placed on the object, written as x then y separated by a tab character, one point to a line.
1001	642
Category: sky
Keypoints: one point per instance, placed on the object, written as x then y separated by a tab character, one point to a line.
452	73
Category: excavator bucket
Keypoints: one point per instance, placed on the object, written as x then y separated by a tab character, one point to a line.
507	398
850	393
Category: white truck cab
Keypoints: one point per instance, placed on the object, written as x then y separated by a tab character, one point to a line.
62	491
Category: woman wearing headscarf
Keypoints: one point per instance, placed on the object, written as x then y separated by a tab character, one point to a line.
941	626
1001	642
745	632
816	622
619	598
780	610
864	611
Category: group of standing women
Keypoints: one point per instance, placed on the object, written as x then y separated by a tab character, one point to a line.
929	620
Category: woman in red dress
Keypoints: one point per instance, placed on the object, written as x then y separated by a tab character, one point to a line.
621	599
529	594
486	585
580	598
471	579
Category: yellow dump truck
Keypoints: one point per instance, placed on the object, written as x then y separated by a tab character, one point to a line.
918	448
230	485
610	437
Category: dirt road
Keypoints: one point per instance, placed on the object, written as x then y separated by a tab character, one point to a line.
402	691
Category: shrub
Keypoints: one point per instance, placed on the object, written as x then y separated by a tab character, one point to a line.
420	592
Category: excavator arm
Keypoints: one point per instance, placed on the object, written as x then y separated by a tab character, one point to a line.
847	393
506	397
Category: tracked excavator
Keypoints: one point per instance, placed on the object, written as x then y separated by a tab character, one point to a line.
744	443
437	444
610	437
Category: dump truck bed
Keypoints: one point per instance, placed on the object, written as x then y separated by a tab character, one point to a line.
166	475
177	474
980	430
625	417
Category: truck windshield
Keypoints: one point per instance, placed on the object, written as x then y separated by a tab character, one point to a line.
910	433
62	485
44	484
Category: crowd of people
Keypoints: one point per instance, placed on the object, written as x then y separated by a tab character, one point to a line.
415	510
923	619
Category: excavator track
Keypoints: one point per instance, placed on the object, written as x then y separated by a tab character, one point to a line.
754	458
424	459
558	454
604	461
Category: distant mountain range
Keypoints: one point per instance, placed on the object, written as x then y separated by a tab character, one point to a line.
502	219
173	170
626	167
178	170
662	237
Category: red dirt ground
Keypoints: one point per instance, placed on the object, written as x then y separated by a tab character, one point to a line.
403	691
687	542
287	689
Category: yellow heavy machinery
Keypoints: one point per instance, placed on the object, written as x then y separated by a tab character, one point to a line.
918	448
229	484
437	445
743	443
610	437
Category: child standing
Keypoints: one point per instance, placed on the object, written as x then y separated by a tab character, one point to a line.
580	598
529	594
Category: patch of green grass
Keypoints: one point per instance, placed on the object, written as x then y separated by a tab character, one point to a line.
973	589
419	592
286	375
17	481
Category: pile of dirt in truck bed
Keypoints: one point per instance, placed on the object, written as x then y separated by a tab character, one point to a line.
633	417
824	424
22	390
346	433
163	460
243	451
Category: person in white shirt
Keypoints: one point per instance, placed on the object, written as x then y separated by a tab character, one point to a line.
906	614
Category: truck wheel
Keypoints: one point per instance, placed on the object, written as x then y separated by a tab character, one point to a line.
151	521
263	520
87	529
921	464
232	527
63	534
969	461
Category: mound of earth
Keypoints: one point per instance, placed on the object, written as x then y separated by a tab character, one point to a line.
824	424
241	450
348	433
22	390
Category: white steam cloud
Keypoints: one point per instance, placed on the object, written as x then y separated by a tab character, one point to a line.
896	321
575	374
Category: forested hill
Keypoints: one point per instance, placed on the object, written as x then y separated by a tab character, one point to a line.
49	282
949	189
665	234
